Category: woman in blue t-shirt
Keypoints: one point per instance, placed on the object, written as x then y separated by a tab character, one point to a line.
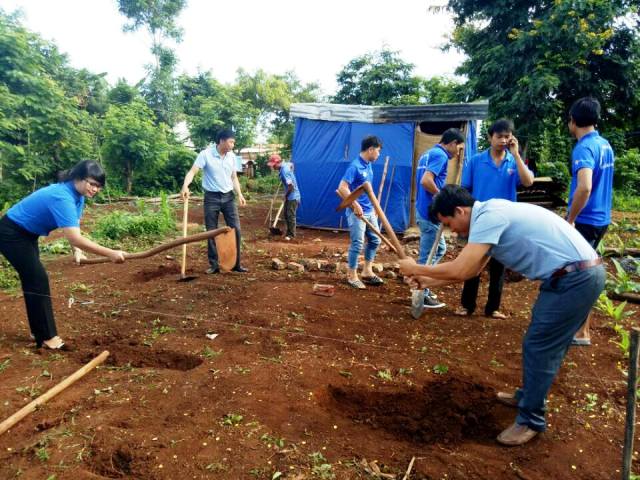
57	206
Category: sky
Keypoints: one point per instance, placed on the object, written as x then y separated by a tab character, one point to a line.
314	39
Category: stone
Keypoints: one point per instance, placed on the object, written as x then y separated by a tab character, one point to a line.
296	267
278	264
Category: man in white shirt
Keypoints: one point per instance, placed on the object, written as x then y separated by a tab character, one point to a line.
219	183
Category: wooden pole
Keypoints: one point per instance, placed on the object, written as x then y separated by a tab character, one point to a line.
632	384
384	176
385	223
161	248
70	380
185	219
386	202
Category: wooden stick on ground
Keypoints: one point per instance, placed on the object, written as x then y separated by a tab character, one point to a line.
406	475
161	248
632	385
52	392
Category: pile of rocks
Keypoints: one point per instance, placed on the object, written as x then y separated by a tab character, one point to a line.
387	270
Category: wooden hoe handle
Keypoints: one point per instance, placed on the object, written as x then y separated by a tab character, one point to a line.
165	246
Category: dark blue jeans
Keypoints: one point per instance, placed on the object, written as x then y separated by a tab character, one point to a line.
560	310
214	204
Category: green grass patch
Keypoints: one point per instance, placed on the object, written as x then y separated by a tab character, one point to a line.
626	202
8	276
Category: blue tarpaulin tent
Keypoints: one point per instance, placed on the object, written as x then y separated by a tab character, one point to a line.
327	138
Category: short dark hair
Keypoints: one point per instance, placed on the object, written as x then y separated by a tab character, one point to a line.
225	134
452	135
83	170
447	199
585	112
501	125
370	141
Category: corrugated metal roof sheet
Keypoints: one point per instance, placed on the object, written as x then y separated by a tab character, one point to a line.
447	112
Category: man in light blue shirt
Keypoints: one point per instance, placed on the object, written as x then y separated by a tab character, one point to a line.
591	192
494	173
291	192
219	182
431	176
541	246
358	172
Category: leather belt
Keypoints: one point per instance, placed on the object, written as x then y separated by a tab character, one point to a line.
577	266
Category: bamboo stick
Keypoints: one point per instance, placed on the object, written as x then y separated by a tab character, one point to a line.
384	176
630	424
52	392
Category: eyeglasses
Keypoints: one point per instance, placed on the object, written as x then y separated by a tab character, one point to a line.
93	183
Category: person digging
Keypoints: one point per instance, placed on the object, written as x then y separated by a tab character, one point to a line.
358	172
541	246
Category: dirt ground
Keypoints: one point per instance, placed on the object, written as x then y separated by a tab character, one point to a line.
295	383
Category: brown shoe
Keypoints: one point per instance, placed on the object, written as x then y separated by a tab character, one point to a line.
508	399
516	435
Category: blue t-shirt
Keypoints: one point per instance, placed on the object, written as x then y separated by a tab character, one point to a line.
287	177
56	206
358	172
527	238
434	161
594	152
485	180
217	170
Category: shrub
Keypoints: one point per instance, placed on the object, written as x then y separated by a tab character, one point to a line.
626	174
118	224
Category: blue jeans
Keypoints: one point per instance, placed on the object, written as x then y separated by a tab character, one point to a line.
560	310
357	231
428	233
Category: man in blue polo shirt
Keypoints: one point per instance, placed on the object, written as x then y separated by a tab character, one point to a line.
430	177
541	246
494	173
219	182
358	172
591	192
291	192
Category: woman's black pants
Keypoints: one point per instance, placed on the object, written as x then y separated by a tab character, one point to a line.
20	248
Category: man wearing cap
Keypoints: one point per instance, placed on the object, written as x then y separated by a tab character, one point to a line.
541	246
291	192
219	182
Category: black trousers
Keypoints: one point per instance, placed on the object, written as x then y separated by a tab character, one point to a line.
20	248
214	204
496	280
290	208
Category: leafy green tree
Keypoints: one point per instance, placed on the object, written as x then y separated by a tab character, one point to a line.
44	124
133	145
122	93
272	96
158	17
378	78
532	59
211	106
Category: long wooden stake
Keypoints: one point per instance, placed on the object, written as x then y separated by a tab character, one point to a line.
52	392
632	384
384	176
406	475
386	202
185	219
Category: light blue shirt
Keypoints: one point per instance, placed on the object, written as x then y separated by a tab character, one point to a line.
485	180
435	161
527	238
287	177
594	152
56	206
217	170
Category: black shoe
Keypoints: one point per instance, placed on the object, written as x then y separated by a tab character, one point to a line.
240	269
212	270
431	302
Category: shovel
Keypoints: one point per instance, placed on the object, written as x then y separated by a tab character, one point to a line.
417	296
183	268
273	229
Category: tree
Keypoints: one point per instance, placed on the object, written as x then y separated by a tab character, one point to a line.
158	17
532	59
133	144
379	78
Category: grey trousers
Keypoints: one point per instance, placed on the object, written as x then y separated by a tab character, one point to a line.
216	203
